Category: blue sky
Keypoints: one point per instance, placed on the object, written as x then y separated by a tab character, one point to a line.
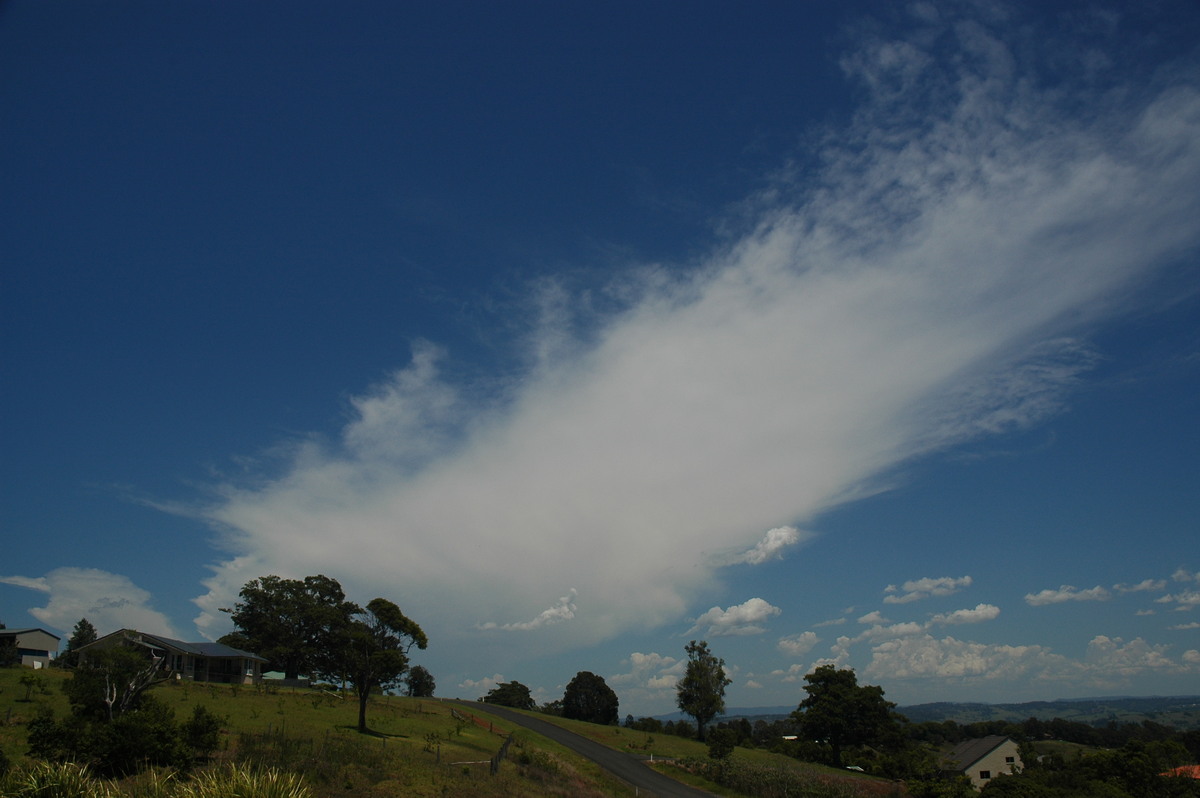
862	333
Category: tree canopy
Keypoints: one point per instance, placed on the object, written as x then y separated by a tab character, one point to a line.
701	691
840	713
510	694
289	622
420	682
589	698
370	648
306	626
83	634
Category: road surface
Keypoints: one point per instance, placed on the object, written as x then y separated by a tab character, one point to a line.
626	767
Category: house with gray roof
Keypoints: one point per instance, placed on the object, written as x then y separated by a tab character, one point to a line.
198	662
36	647
983	759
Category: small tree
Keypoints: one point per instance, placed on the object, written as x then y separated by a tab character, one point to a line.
371	649
701	691
420	682
510	694
589	698
112	682
9	653
83	634
721	743
202	732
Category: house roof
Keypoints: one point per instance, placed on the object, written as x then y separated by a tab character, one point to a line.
6	632
1192	771
968	752
195	649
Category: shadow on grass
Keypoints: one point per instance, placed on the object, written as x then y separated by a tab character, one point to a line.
373	733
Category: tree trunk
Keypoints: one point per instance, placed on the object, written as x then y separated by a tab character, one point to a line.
363	696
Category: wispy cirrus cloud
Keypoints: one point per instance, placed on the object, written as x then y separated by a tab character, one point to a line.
928	277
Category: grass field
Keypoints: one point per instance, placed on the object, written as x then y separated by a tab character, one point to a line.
416	747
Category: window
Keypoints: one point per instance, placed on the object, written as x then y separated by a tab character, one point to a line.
985	774
1010	759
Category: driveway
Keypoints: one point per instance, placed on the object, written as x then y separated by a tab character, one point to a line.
628	768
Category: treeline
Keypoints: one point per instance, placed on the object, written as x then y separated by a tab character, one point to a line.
1114	760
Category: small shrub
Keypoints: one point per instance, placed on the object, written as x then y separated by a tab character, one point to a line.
246	782
202	733
54	780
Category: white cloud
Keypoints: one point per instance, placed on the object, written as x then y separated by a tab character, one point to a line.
917	589
798	645
746	618
925	284
1183	602
1184	575
772	545
109	601
1192	657
924	656
1185	626
1066	593
564	610
483	686
1113	656
873	617
1146	585
982	612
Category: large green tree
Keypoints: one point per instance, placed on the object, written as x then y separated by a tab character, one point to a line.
589	698
370	649
840	713
290	622
701	691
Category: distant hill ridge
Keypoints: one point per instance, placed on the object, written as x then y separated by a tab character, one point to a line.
1181	712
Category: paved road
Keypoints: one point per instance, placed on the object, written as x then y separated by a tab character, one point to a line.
626	767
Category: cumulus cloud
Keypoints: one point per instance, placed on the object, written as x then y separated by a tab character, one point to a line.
917	589
798	645
1066	593
109	601
1184	601
1109	662
925	279
481	687
982	612
1146	585
742	619
772	545
564	610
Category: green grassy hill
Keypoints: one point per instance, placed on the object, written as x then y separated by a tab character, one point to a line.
417	747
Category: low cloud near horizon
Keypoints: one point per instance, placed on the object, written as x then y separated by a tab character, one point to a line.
932	282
